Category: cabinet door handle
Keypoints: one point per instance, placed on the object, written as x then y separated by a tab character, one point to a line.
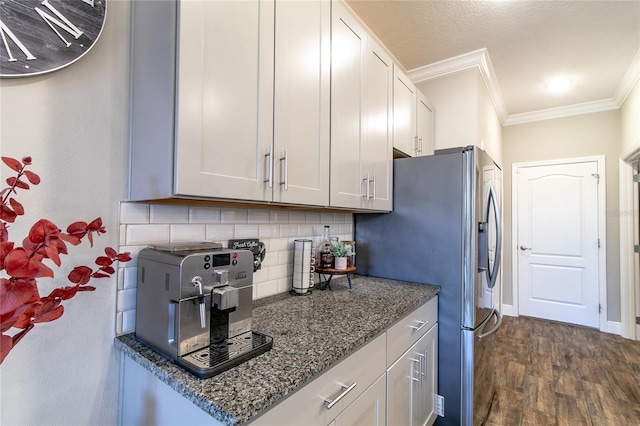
416	143
346	389
417	361
373	197
366	184
420	144
421	325
285	173
269	168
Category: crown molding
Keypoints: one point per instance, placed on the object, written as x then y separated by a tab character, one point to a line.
478	59
628	81
559	112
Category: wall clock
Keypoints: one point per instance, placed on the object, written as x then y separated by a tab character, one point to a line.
40	36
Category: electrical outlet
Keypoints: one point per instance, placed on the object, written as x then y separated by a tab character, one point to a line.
440	405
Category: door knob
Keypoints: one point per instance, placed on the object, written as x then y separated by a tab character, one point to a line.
523	248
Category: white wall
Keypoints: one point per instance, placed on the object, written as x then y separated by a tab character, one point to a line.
578	136
630	120
73	122
464	113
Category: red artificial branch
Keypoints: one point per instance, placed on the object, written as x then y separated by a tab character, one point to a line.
21	306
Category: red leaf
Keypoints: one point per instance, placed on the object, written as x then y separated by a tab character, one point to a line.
26	319
86	288
7	214
77	228
6	344
80	275
49	313
4	234
95	225
52	253
42	230
111	253
13	164
103	261
71	239
14	295
19	264
14	181
124	257
5	248
16	206
100	275
33	178
26	160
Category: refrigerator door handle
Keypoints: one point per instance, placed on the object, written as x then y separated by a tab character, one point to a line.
486	334
493	201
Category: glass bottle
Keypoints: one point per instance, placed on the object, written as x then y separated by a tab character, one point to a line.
326	259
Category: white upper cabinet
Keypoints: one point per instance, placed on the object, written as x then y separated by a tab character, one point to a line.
361	101
424	125
301	103
412	118
231	101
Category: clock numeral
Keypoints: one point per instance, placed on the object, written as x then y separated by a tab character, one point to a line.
5	31
65	24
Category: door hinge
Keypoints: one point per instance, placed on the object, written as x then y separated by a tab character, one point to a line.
637	320
636	178
636	248
597	176
599	308
598	242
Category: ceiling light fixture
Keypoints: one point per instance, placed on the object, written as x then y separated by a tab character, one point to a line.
559	84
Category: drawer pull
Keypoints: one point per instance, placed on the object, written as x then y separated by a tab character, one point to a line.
421	325
331	402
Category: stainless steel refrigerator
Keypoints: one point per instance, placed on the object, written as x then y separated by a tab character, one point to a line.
445	230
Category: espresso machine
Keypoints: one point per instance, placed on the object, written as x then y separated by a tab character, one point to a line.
194	304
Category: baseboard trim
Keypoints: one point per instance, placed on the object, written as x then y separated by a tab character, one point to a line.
611	327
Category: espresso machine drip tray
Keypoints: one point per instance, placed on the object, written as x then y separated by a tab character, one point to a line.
218	357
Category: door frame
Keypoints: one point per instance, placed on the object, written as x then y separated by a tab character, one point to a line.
629	279
602	230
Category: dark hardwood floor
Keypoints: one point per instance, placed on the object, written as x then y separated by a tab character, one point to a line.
551	373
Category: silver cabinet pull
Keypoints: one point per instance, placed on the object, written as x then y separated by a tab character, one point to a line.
417	361
372	180
269	168
421	325
366	184
285	174
416	143
523	248
420	145
423	361
346	389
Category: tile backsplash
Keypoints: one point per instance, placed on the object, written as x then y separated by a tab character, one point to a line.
142	224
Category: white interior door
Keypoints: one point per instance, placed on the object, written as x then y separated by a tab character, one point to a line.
558	242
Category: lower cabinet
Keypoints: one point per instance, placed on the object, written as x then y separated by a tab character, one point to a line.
368	409
412	381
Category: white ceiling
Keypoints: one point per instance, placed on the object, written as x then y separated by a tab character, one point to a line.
527	42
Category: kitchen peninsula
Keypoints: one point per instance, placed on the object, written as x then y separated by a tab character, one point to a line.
312	335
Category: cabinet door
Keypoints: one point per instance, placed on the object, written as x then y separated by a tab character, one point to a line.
426	351
224	107
301	102
377	147
400	378
368	410
424	125
404	113
349	43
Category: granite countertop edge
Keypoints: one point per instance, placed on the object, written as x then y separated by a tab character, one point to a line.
303	346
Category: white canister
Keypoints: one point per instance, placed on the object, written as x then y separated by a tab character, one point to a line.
303	268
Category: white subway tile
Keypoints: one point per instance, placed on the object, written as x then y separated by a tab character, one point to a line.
145	234
267	289
129	321
261	275
129	277
199	214
305	231
289	231
188	232
268	231
122	233
119	324
271	259
126	300
285	257
327	218
220	232
233	216
258	216
166	213
279	216
313	217
279	244
134	213
246	231
285	285
278	271
297	217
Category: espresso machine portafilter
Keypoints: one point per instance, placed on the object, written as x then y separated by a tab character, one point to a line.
195	306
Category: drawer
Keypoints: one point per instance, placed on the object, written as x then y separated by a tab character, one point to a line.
308	406
408	330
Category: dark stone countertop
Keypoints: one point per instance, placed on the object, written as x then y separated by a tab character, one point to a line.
310	333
